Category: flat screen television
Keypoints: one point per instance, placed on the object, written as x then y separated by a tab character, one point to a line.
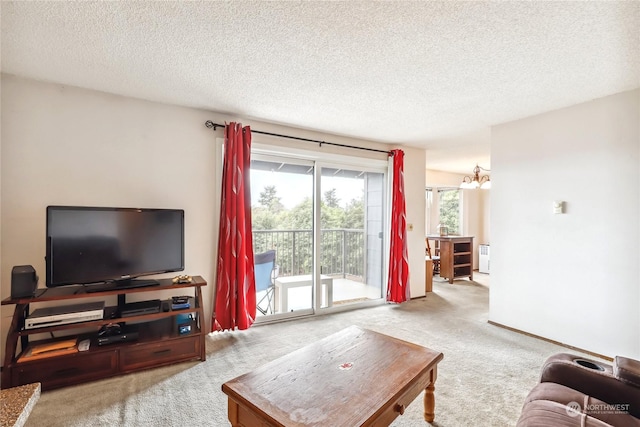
111	246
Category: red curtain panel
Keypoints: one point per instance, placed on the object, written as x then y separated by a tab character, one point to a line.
398	284
235	296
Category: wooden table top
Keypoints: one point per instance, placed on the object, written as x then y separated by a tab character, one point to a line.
345	379
448	237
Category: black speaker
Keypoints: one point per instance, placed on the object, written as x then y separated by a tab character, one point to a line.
24	281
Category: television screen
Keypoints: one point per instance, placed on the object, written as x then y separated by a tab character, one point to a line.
88	245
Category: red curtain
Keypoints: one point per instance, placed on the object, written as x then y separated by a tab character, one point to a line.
235	296
398	284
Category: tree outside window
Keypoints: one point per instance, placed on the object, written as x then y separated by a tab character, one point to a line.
449	202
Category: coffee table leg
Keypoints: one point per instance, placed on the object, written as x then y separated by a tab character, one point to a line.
233	412
430	399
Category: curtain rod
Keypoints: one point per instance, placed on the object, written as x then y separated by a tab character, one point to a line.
214	126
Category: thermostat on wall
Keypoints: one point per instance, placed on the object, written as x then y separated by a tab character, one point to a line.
558	207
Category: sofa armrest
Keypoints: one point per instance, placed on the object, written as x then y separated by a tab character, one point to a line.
599	382
627	370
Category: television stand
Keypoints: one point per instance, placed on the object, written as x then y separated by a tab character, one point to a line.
161	340
121	284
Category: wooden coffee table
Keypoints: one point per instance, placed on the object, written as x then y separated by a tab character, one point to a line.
355	377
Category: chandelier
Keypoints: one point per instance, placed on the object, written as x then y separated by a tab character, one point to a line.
477	181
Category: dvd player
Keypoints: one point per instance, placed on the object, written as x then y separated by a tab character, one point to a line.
65	314
139	308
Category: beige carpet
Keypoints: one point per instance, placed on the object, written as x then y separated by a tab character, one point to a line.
482	381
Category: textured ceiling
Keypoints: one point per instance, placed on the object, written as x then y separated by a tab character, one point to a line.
430	74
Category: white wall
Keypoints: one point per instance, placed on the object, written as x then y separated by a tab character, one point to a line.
575	277
415	202
65	145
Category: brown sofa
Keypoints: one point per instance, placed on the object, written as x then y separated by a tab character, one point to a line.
574	391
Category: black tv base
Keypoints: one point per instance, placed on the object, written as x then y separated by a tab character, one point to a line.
123	284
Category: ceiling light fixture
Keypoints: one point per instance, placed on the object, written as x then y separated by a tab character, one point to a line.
477	181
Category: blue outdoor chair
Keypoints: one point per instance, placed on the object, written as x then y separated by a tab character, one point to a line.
264	268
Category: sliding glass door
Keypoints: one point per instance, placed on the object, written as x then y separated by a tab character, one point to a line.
351	233
282	215
325	224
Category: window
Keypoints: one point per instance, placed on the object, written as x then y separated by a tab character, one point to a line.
449	203
445	210
429	222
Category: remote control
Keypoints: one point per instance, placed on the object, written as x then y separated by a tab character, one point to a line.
84	345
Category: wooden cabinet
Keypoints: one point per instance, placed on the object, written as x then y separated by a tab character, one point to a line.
428	275
57	372
456	256
159	353
159	341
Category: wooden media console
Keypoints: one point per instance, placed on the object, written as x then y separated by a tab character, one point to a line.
159	340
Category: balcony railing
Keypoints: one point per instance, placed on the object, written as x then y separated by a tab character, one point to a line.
341	251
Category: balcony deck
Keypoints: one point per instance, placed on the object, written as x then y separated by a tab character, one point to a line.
345	291
346	263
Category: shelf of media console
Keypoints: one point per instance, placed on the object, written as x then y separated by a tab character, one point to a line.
148	334
78	291
108	319
64	293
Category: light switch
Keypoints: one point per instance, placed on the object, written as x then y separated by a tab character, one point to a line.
409	227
